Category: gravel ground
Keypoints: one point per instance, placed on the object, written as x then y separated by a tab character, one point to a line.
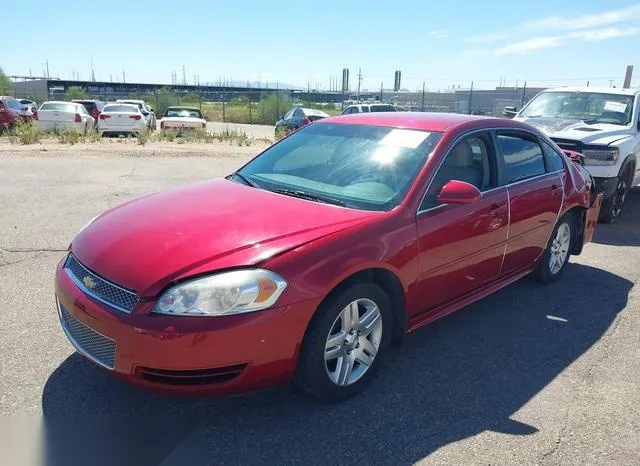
531	375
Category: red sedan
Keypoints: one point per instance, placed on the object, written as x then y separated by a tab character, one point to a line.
311	259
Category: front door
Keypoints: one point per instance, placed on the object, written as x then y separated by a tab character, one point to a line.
535	188
461	246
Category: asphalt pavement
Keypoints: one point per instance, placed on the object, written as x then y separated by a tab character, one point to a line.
534	374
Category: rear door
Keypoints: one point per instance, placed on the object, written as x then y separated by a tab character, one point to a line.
535	188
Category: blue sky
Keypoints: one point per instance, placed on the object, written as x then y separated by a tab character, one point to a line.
443	43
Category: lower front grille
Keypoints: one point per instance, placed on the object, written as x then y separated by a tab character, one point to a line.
92	344
191	377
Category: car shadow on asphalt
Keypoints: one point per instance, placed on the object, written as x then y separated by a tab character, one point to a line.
451	380
626	231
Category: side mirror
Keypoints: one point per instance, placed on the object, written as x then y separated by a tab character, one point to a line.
576	157
510	112
459	192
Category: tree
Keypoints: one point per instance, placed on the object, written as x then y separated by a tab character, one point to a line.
76	92
6	86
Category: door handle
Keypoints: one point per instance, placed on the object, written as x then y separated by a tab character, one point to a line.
493	209
555	189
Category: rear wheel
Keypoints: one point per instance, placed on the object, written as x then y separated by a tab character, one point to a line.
612	208
556	255
345	343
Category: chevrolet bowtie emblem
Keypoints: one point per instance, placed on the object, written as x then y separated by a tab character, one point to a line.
89	282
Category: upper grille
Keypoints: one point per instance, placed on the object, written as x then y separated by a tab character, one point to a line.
569	144
99	288
87	341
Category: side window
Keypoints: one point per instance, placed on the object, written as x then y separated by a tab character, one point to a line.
297	113
470	160
365	109
552	159
288	115
522	157
1	105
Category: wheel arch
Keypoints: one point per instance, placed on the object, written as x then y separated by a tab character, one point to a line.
390	284
629	165
579	215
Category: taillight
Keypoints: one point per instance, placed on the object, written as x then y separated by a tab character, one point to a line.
78	118
135	117
104	117
306	121
162	125
35	114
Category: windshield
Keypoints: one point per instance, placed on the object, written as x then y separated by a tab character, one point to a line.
363	167
183	113
591	107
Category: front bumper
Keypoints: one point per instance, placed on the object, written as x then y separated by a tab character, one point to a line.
606	186
187	355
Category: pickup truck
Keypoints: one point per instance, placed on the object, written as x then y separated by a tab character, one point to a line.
603	125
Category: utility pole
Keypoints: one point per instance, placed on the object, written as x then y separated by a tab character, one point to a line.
184	76
422	104
359	81
524	91
611	83
47	68
470	97
93	73
381	84
123	77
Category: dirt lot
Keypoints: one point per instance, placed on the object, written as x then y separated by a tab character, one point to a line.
531	375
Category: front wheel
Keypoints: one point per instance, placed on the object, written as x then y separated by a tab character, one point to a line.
612	208
556	255
345	343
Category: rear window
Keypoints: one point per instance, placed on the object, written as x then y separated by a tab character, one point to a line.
89	105
183	112
121	108
58	107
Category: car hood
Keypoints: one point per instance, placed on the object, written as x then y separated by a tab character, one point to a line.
151	241
576	130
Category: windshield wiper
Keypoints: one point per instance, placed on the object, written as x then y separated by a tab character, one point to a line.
244	179
308	196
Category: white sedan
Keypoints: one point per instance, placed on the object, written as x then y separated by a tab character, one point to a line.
180	119
63	115
117	119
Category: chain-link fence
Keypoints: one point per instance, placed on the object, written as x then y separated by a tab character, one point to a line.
266	106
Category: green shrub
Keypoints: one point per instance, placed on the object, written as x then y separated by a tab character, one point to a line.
143	136
25	133
76	92
68	135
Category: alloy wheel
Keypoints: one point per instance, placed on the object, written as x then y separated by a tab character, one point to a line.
618	198
560	248
353	342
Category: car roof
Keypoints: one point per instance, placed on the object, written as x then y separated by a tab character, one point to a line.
423	121
183	107
122	101
598	90
59	102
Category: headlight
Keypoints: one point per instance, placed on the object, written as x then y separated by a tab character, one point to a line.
604	156
221	294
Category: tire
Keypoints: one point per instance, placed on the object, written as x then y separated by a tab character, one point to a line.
318	372
559	247
612	207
